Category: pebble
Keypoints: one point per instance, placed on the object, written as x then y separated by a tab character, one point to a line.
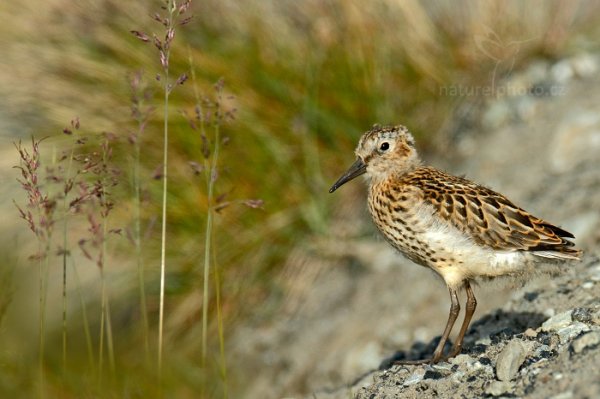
527	108
530	333
509	360
540	349
433	375
497	114
583	315
587	285
415	377
563	395
562	71
596	274
458	378
497	388
486	361
462	359
585	341
443	366
558	321
596	316
584	65
537	71
571	331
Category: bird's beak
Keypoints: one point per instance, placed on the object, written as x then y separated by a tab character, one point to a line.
357	169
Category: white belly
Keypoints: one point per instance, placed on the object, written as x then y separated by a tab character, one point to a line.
458	257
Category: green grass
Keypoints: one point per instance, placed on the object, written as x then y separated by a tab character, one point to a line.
306	79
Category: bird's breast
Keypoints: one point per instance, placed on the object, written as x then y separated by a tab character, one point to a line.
396	215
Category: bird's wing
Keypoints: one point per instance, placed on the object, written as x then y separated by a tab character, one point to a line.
491	219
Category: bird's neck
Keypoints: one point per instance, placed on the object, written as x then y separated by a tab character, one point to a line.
396	173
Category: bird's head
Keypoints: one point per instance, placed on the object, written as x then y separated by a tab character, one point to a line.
381	151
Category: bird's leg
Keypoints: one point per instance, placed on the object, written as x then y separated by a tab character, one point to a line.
439	350
470	309
454	310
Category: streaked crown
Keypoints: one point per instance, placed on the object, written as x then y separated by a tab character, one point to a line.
387	149
381	152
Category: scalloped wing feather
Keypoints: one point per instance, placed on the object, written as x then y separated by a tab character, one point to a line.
490	218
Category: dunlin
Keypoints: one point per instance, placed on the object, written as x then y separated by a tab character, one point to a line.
463	231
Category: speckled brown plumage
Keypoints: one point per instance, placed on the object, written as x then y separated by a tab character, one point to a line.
463	231
486	216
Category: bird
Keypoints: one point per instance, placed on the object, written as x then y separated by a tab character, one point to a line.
465	232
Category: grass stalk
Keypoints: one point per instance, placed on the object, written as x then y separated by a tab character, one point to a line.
140	117
221	332
165	54
86	325
44	267
105	204
210	170
211	177
64	262
138	250
101	339
106	306
43	262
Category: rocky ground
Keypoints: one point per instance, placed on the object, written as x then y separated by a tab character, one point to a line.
352	303
542	344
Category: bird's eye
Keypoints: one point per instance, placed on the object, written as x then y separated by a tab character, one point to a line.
384	146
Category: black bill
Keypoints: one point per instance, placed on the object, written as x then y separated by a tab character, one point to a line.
357	169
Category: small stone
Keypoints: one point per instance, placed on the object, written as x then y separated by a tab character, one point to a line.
558	376
415	377
587	285
509	360
544	338
531	296
496	115
530	333
486	361
433	375
577	139
584	65
586	341
595	273
462	359
527	108
458	378
571	331
477	349
547	354
596	316
558	321
583	315
542	348
497	388
563	395
502	335
443	366
562	71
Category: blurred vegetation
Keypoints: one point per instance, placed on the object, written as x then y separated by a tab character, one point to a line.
306	78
